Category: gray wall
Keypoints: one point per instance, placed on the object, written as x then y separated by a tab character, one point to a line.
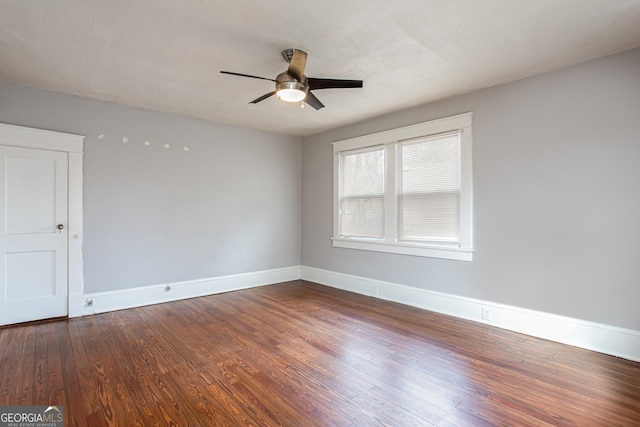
229	205
556	193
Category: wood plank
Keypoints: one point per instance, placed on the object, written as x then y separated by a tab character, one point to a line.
23	369
8	361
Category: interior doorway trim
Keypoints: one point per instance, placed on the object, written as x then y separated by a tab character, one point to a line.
25	137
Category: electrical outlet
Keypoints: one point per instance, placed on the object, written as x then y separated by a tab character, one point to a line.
486	314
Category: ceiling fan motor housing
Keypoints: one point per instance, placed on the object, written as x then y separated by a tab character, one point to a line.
285	81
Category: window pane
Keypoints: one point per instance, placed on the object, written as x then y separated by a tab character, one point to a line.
362	217
363	173
362	193
429	190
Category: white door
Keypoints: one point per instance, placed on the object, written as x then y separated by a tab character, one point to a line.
33	234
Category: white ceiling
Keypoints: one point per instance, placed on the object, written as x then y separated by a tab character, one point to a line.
166	55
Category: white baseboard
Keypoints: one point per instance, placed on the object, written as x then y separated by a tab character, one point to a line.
101	302
602	338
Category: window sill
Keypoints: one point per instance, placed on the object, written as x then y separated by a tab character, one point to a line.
430	251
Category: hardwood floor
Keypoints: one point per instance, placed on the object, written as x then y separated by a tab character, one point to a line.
300	354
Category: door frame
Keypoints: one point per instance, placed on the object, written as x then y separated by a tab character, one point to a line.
73	145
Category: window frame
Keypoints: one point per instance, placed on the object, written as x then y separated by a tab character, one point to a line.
390	139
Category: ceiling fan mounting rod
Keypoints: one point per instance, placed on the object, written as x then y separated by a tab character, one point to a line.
287	54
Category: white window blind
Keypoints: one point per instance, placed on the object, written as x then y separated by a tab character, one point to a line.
429	189
362	193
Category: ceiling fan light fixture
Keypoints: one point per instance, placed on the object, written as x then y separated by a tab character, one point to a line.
291	95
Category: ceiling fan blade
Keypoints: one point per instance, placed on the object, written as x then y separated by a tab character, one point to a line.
297	64
313	101
246	75
263	97
332	83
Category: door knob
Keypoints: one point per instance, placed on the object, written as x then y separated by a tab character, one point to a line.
60	226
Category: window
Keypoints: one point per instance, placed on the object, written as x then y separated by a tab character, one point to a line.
406	190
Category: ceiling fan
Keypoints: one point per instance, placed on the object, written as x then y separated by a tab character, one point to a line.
293	86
